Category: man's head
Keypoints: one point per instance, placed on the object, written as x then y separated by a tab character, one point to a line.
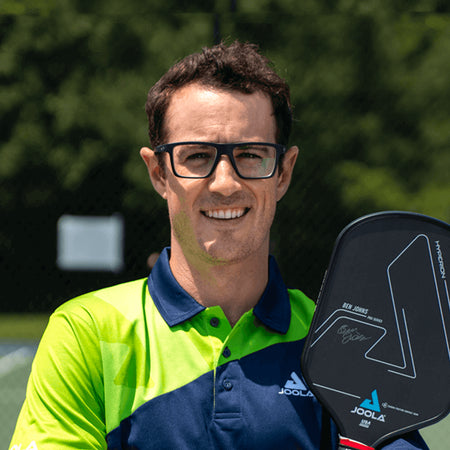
237	67
222	216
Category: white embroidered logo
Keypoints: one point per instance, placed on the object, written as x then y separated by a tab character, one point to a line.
296	387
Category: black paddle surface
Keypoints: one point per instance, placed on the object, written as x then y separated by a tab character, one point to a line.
378	352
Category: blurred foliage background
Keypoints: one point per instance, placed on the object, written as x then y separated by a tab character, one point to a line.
370	86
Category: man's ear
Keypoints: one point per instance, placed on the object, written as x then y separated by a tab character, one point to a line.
284	178
155	171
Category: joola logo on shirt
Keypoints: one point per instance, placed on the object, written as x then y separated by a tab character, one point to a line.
369	408
295	386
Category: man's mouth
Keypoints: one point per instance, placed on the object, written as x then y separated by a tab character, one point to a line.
225	214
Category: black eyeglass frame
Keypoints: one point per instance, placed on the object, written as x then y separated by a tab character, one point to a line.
222	149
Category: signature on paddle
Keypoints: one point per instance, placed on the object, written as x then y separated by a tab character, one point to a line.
351	334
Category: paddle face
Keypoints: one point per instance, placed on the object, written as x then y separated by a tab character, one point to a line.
378	352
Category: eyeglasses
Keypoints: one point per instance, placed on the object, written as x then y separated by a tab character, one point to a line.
250	160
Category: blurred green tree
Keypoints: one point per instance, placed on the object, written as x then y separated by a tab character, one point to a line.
369	85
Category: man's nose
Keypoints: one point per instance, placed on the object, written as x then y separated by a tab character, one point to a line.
224	179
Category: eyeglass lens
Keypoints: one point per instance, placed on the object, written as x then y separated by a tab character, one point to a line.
197	160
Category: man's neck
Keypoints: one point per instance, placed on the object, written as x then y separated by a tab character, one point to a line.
236	286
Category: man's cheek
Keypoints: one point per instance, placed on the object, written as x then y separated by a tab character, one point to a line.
182	228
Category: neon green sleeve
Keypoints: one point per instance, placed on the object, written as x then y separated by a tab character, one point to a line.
64	406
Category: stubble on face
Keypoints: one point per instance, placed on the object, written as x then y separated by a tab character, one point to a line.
185	235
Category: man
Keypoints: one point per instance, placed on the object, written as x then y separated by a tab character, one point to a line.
197	356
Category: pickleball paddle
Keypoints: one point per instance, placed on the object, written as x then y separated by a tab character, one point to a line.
378	352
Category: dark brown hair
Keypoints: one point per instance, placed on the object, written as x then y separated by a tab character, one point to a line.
237	67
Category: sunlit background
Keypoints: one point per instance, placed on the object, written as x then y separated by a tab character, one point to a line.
370	88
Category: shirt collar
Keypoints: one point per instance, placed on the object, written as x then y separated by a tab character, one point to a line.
175	305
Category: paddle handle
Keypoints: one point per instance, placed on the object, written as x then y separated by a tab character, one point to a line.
346	447
349	444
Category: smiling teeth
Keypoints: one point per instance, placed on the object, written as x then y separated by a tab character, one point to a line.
225	213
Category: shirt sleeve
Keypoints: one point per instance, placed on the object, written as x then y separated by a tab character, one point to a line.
64	405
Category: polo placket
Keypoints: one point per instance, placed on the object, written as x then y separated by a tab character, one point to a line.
227	373
227	395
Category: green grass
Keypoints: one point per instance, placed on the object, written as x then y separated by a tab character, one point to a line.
437	436
22	326
16	327
12	394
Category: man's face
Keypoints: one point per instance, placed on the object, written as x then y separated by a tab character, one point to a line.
222	218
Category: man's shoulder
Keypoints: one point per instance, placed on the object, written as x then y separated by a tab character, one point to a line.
302	307
125	298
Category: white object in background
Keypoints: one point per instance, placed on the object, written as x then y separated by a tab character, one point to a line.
90	243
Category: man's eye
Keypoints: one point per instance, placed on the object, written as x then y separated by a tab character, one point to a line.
252	152
198	155
249	155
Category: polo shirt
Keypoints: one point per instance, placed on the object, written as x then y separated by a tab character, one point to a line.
142	365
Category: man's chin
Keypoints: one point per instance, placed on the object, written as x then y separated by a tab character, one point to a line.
226	252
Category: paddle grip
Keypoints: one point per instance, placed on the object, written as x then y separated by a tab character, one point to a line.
348	444
346	447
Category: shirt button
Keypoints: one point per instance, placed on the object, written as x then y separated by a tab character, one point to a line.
227	384
226	352
214	322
